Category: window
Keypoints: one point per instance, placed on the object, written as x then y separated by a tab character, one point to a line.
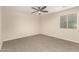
68	21
63	21
72	21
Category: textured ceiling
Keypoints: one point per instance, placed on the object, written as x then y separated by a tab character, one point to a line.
50	9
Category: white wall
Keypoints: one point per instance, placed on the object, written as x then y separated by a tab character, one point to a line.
18	24
51	26
0	27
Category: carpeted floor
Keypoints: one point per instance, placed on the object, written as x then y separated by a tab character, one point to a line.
39	43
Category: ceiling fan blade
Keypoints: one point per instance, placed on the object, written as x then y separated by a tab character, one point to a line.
44	11
43	7
34	8
39	8
34	12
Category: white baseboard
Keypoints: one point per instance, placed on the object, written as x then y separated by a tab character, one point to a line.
60	38
19	36
31	34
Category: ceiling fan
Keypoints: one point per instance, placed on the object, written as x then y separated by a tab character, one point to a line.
39	9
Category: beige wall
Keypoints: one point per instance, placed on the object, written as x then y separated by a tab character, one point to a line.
51	26
18	24
0	27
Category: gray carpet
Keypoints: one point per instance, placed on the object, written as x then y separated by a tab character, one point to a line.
39	43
